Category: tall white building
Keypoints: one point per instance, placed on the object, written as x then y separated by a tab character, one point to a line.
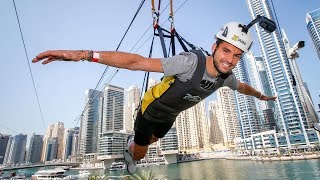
193	128
188	129
152	82
288	110
132	101
112	118
111	141
246	105
229	122
55	131
313	26
89	121
216	136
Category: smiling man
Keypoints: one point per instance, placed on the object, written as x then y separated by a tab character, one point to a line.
189	78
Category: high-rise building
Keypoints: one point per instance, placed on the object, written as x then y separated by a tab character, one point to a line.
111	141
169	143
246	105
111	144
288	111
52	149
16	149
216	136
313	26
55	130
89	121
112	119
307	104
132	101
229	120
3	146
266	108
69	142
35	149
187	129
75	145
192	128
152	82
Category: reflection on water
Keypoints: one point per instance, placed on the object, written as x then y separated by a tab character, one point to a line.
230	169
218	169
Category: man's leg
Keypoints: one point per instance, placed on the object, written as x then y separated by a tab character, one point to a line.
138	152
153	139
137	145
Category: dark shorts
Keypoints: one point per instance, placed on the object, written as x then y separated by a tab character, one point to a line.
144	129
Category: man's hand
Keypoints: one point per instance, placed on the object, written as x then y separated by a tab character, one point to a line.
267	98
60	55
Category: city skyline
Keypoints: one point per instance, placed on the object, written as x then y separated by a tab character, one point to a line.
61	85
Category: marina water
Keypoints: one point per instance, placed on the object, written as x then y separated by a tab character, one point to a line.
222	169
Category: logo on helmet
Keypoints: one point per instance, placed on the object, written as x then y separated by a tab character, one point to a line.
225	32
236	38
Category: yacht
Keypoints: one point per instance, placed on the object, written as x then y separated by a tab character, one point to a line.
53	174
84	174
117	166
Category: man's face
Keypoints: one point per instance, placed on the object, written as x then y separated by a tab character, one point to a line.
226	57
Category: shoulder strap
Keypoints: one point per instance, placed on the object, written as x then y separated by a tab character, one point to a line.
201	66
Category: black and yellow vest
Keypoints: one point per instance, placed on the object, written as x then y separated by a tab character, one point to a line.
163	102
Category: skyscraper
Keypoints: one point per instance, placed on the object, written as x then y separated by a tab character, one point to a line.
311	114
313	26
229	120
89	121
16	149
187	129
52	149
3	146
266	108
35	149
112	119
69	144
55	130
132	102
111	141
216	136
288	111
246	105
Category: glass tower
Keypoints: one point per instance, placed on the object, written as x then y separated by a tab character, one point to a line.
3	146
313	26
288	111
89	121
35	149
16	149
246	105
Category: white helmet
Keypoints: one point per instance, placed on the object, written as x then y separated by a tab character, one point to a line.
233	34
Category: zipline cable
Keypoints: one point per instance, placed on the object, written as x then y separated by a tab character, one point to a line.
26	53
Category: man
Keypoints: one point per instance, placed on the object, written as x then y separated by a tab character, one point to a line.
188	78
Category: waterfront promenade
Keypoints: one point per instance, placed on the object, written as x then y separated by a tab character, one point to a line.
39	165
275	158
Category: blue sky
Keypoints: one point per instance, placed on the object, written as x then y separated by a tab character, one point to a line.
99	25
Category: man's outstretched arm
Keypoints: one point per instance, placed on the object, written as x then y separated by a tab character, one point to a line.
110	58
248	90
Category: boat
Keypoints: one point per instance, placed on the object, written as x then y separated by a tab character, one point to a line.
115	166
53	174
84	174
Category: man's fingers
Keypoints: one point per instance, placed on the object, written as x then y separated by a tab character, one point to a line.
47	55
48	61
